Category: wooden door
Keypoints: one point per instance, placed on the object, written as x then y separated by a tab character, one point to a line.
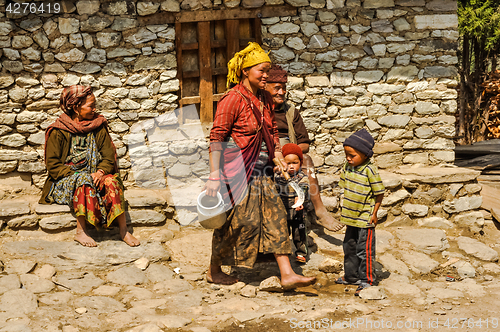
203	50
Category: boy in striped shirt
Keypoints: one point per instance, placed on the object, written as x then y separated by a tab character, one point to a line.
363	193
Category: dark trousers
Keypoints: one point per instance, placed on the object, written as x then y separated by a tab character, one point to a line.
299	232
359	255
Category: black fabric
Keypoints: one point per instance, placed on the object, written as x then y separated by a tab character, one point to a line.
359	255
361	141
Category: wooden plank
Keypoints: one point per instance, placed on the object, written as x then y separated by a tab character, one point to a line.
178	42
204	53
257	25
232	37
218	96
219	71
191	73
490	197
190	100
218	43
244	42
216	15
190	46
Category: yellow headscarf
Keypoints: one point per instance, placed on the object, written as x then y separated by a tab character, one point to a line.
252	55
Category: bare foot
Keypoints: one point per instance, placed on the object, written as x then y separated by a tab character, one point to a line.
295	280
327	221
219	277
129	239
85	240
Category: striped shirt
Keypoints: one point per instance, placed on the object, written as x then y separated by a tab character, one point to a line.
361	184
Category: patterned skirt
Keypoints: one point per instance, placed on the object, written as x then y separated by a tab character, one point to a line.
257	224
99	206
85	202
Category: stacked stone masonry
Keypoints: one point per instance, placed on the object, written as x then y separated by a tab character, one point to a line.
386	65
442	197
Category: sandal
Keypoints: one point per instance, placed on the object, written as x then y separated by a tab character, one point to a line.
301	259
342	281
360	288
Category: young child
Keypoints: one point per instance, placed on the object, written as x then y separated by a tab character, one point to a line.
295	216
363	193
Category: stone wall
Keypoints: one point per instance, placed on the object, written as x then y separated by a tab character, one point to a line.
384	65
387	65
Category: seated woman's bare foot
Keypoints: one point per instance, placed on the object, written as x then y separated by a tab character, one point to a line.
220	278
327	221
295	280
85	240
129	239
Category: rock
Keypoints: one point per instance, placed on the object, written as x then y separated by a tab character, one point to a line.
395	197
143	35
248	291
58	222
159	273
393	264
330	265
23	222
415	210
13	208
18	301
36	284
147	8
426	240
419	263
373	293
127	276
465	269
438	175
58	298
443	293
463	204
86	68
68	25
123	23
108	39
107	290
142	263
95	24
144	217
394	121
100	304
469	286
435	222
271	284
477	249
9	282
46	271
474	221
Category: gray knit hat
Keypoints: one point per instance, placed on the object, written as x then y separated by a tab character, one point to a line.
361	141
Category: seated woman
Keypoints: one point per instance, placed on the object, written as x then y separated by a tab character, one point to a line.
81	161
243	142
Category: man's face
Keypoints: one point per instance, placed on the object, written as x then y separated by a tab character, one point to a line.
277	91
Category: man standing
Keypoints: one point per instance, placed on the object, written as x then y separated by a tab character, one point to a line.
291	129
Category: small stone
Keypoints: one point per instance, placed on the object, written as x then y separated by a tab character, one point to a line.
373	293
330	265
248	291
271	284
142	263
81	311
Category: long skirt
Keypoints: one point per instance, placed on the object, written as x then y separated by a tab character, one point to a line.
257	224
86	203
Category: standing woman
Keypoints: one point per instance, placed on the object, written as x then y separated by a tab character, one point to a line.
243	142
81	161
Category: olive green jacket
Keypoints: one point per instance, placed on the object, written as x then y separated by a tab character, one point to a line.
57	150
